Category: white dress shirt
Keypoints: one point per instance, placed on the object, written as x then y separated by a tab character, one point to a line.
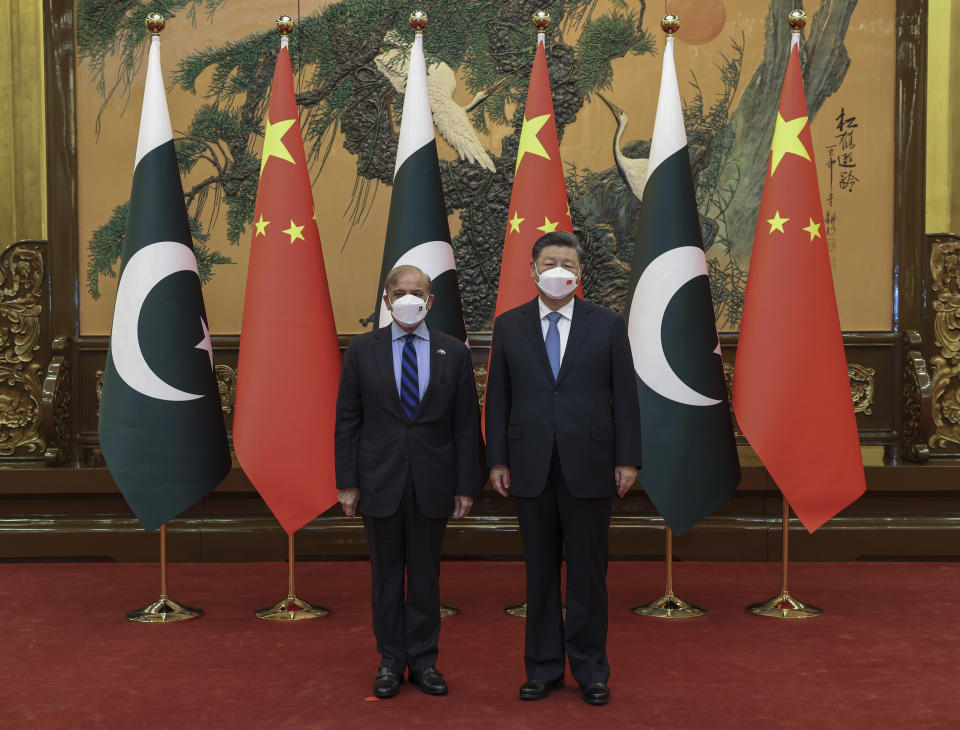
563	324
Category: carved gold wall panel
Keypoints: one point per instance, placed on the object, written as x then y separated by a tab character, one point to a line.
945	366
21	284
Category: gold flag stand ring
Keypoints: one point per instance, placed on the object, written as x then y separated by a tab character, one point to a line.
668	605
448	609
784	605
291	608
164	610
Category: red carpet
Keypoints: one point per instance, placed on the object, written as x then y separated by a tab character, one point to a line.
884	655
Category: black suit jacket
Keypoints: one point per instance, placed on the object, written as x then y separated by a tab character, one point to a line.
376	444
592	408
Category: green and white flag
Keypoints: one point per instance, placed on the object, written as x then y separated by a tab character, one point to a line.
417	230
161	426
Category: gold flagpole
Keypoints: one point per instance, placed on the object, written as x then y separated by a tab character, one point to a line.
291	608
784	605
668	605
163	610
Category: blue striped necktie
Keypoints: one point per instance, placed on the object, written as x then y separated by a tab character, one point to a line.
409	378
552	341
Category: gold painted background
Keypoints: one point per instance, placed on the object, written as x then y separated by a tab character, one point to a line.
862	250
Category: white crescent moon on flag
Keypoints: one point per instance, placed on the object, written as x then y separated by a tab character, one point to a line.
145	269
658	284
432	258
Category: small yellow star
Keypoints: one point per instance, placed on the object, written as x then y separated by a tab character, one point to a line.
294	231
548	226
261	226
568	210
515	222
273	142
813	229
316	220
776	223
786	140
529	142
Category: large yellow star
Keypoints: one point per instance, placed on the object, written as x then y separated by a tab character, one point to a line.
786	139
294	231
515	222
529	142
261	226
813	229
548	226
273	142
776	223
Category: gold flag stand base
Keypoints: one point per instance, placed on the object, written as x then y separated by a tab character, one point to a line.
784	606
448	609
164	610
291	608
669	606
516	609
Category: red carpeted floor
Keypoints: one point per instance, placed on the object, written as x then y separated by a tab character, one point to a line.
884	655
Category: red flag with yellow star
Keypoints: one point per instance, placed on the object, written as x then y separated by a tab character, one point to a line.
791	390
538	202
289	364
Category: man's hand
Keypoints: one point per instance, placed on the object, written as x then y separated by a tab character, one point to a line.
461	506
500	478
625	477
348	500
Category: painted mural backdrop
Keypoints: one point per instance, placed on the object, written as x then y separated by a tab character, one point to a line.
349	61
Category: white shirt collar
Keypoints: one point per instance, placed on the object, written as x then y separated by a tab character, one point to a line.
565	311
396	331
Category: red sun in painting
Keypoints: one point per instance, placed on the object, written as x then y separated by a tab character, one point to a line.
700	20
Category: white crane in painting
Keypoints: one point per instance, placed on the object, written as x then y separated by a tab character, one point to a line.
633	170
450	118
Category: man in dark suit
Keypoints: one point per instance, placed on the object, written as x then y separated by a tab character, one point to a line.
407	458
562	428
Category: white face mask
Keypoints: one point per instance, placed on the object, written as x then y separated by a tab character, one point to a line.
409	310
557	282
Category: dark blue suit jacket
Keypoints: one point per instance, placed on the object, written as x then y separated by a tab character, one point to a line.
592	408
376	445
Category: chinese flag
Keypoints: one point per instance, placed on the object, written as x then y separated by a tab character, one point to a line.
289	365
791	391
538	202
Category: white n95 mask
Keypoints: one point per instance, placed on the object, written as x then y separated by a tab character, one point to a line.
557	282
409	310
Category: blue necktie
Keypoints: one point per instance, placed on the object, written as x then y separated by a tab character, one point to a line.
552	342
409	378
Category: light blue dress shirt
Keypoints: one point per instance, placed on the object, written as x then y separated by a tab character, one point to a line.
421	343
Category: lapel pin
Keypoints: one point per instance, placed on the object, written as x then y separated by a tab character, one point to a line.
441	351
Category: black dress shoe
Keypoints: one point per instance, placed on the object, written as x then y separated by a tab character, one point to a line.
429	680
597	693
386	683
537	689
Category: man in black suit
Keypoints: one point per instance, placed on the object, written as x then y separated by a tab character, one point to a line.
562	428
407	458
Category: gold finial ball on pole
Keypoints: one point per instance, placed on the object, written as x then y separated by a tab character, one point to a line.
670	23
418	21
541	21
155	23
285	25
797	20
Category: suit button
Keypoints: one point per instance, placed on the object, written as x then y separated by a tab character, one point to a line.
556	393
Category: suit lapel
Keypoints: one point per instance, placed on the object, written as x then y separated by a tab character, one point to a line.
383	351
437	360
534	332
579	327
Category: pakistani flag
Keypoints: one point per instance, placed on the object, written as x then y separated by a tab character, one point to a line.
417	231
161	427
690	465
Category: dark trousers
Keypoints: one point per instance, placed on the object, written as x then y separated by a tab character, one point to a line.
406	622
547	522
